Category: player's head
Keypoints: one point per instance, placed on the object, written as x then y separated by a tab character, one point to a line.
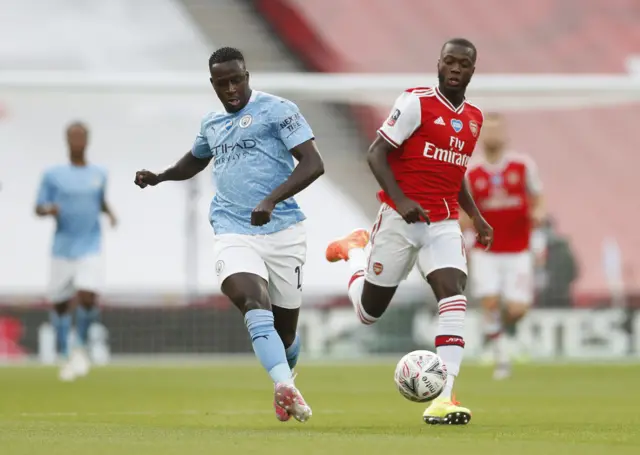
77	138
493	132
456	64
230	78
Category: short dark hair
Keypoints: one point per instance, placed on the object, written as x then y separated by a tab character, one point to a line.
77	124
225	54
464	43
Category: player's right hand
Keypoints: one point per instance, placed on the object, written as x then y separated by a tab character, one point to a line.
52	210
412	212
145	178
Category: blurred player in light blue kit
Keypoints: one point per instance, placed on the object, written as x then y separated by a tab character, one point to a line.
260	241
74	195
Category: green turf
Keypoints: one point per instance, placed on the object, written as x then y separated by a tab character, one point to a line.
211	410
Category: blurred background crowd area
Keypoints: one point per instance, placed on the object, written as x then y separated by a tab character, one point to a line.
565	73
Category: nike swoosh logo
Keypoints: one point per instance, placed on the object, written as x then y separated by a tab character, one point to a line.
266	337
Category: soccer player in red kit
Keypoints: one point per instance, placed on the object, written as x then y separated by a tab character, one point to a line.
419	158
508	191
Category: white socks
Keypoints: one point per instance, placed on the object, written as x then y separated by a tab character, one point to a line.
449	339
358	263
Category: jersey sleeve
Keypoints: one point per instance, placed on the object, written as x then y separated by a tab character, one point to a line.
200	148
46	191
534	184
404	119
290	125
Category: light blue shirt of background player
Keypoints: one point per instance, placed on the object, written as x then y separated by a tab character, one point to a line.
77	193
251	154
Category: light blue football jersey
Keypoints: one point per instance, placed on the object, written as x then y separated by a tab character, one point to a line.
78	191
251	157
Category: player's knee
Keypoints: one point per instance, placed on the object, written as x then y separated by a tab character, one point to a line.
491	303
62	308
87	299
447	282
516	311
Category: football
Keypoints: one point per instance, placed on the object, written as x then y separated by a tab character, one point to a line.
420	376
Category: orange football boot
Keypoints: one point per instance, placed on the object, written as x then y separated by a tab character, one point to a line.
338	250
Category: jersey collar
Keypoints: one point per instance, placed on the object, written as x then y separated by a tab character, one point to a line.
447	103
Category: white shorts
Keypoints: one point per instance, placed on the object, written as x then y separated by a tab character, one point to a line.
277	257
397	246
505	275
69	276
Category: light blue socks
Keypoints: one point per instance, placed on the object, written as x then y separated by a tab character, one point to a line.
84	319
62	326
267	345
293	352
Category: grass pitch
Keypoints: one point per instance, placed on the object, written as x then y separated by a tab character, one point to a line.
586	410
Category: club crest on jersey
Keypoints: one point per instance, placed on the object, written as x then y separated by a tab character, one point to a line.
219	267
473	126
245	121
377	268
481	184
394	117
228	125
513	178
456	124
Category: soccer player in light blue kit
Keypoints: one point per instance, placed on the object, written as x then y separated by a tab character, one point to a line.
260	241
74	195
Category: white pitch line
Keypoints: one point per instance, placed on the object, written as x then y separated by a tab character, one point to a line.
154	413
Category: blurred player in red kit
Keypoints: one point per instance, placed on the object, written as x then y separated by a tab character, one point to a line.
508	191
419	159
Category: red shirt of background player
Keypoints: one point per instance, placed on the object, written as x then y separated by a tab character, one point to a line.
434	141
502	191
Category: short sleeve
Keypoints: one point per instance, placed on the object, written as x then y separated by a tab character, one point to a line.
201	147
534	183
290	125
46	191
404	119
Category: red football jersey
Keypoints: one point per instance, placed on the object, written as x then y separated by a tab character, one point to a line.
502	191
435	141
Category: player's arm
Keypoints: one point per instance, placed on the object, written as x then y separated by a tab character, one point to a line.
187	167
404	119
193	162
310	167
106	208
44	202
295	133
483	229
537	210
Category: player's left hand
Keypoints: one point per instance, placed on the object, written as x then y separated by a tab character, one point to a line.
484	231
261	215
113	221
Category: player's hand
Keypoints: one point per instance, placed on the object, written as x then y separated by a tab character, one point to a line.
411	211
145	178
49	210
113	221
261	215
484	232
537	217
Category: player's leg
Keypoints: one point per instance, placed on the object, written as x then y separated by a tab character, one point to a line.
61	292
88	282
376	275
284	254
517	294
443	262
244	279
486	284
